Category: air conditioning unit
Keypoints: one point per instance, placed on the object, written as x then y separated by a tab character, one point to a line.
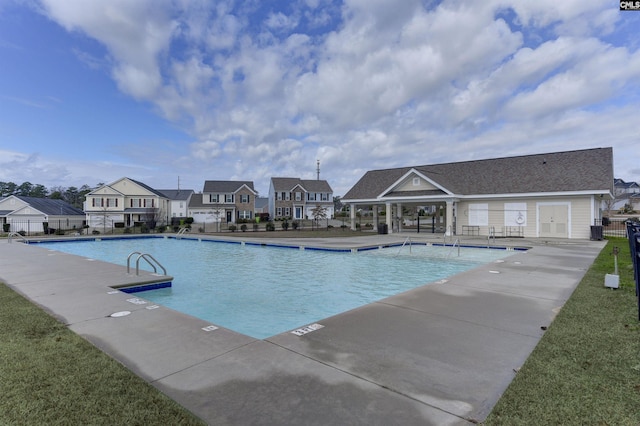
611	281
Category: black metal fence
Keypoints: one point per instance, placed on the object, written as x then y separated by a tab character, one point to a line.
52	227
613	227
633	230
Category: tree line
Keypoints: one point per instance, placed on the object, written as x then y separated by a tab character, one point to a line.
72	195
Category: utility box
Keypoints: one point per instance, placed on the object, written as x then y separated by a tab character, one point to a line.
597	233
611	281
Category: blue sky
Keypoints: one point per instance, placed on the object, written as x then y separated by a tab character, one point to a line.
161	90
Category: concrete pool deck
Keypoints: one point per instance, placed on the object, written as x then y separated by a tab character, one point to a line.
440	354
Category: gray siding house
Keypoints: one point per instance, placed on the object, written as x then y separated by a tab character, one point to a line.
552	195
297	198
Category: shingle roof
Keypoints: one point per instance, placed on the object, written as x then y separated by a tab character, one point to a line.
177	194
288	183
225	186
583	170
148	188
51	207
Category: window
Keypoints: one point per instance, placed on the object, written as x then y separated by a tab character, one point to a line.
244	198
214	198
244	214
287	211
279	211
112	202
228	198
325	196
98	202
416	181
135	202
181	204
311	196
478	214
298	196
148	203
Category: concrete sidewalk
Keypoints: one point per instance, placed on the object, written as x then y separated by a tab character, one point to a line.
441	354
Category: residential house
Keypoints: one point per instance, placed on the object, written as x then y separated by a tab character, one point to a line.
544	195
262	205
178	202
36	215
223	201
296	198
126	202
624	194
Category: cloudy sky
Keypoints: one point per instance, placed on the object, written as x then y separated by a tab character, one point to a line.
175	90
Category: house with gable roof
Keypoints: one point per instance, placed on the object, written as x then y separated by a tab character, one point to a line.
125	201
298	198
552	195
224	201
178	202
35	215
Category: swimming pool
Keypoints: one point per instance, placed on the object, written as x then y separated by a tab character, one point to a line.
262	290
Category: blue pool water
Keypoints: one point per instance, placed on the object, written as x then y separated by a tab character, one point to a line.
261	291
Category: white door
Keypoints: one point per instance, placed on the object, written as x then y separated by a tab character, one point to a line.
554	221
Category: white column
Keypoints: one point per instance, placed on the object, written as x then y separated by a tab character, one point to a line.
389	218
399	216
352	215
375	217
449	219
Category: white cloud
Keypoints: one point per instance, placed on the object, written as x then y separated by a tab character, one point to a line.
392	83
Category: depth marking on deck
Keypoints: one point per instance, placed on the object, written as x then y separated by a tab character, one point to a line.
210	328
308	329
152	307
137	301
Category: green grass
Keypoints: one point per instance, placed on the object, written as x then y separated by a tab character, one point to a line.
49	375
586	368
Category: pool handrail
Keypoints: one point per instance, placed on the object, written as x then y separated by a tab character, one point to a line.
17	234
146	257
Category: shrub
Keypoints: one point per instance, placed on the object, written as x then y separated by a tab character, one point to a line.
6	227
295	224
285	225
201	230
95	232
21	232
270	226
127	230
188	220
161	229
144	229
118	224
255	227
59	232
243	227
232	228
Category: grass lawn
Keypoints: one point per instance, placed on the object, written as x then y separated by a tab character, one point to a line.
49	375
586	368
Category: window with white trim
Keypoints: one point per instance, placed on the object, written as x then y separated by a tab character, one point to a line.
244	198
287	211
228	198
244	214
298	196
214	198
279	211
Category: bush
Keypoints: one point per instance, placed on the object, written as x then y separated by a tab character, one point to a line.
6	227
118	224
270	226
285	225
127	230
188	220
243	227
144	229
295	224
255	227
232	228
201	230
161	229
176	228
95	232
59	232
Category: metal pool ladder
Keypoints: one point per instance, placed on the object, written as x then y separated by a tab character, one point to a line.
182	232
456	242
407	240
17	234
149	259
